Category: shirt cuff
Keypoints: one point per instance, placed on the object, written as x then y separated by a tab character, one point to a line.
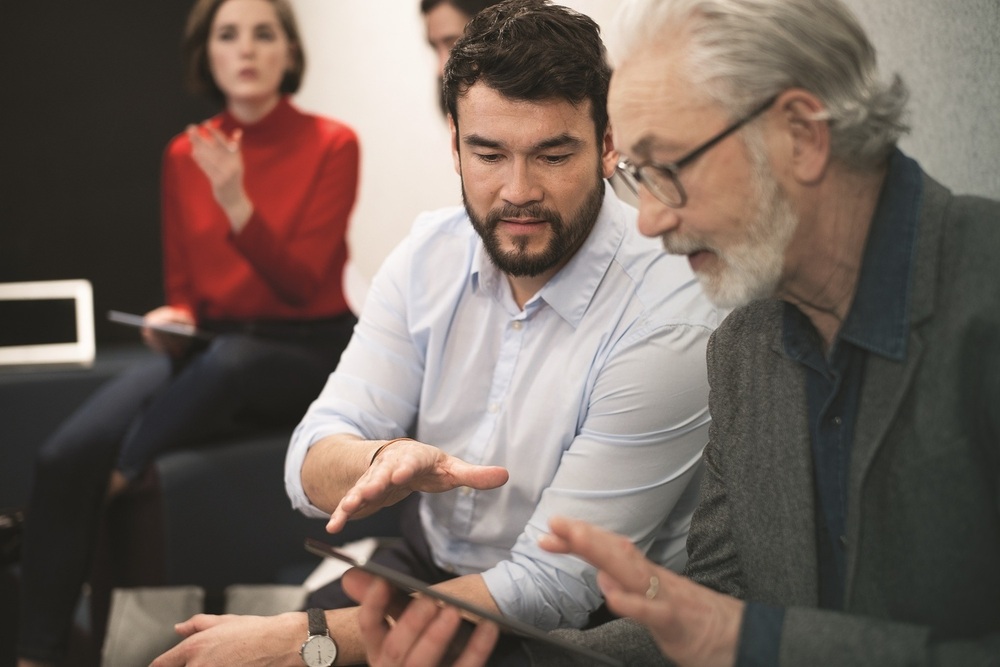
760	635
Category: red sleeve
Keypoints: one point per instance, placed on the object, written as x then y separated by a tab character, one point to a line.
296	268
176	283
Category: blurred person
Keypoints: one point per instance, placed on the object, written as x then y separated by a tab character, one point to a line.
255	208
444	23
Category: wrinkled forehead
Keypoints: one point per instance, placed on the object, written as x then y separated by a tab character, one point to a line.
653	103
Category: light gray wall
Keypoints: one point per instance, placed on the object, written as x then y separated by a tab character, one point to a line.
369	65
948	53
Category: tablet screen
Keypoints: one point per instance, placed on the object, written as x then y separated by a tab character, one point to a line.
414	585
139	321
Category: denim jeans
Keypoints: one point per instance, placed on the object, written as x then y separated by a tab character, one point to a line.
156	406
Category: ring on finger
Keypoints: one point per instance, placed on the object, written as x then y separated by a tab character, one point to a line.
654	587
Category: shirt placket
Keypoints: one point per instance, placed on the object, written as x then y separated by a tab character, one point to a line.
503	374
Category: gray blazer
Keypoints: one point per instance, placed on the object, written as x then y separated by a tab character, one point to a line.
923	552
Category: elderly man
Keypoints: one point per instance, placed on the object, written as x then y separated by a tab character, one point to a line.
850	512
509	339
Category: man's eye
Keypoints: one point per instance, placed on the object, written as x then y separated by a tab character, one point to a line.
489	158
555	159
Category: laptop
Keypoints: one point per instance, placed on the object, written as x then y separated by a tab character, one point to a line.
46	323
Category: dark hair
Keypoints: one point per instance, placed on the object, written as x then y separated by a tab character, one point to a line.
194	48
532	50
468	7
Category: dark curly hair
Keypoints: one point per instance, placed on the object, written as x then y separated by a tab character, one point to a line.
532	50
468	7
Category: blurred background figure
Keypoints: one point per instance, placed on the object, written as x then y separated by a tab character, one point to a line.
255	208
444	21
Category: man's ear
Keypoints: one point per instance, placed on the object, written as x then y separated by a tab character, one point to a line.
802	118
609	155
456	158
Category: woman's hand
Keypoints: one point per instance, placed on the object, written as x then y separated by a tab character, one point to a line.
220	159
169	344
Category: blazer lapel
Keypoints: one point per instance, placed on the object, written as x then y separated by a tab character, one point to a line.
886	382
790	500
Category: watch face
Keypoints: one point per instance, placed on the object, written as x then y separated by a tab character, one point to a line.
319	651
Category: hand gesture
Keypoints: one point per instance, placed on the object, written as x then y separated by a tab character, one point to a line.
693	625
407	466
423	633
220	159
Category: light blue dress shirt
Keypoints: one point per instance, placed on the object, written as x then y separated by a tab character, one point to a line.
594	396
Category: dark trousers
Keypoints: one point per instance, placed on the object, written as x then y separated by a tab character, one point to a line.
159	405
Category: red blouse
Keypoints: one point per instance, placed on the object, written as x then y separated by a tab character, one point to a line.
301	173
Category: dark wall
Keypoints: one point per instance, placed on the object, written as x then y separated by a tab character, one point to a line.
92	94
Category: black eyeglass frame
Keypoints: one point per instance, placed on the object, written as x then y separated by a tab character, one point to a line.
634	173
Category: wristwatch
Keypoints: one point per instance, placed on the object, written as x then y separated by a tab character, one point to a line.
319	649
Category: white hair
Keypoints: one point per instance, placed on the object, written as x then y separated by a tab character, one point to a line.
740	52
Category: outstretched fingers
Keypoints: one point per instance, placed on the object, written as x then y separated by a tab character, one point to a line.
612	553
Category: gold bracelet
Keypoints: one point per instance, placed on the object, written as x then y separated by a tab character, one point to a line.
379	450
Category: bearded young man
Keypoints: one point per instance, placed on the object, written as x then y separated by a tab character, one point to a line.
544	358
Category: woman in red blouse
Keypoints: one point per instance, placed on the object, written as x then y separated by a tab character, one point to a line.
256	202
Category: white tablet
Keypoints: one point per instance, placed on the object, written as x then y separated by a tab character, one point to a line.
177	329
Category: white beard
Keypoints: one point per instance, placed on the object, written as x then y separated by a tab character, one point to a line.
751	269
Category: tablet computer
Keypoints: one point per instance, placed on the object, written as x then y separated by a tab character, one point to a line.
178	329
411	585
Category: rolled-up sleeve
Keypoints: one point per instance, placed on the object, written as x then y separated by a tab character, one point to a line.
375	390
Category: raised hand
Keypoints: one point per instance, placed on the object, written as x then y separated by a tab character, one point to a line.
219	157
693	625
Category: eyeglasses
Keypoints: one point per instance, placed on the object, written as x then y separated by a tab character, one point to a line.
662	180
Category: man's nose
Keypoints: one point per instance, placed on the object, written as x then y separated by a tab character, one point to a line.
655	217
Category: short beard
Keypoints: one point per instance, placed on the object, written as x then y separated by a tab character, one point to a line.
753	268
565	239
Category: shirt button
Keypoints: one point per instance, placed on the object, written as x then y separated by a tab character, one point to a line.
843	541
466	491
837	421
516	325
493	408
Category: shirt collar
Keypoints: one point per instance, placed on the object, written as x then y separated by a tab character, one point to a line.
879	318
570	291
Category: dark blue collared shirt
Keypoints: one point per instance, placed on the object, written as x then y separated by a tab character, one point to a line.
878	322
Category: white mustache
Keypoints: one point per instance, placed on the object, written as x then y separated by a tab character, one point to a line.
680	245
